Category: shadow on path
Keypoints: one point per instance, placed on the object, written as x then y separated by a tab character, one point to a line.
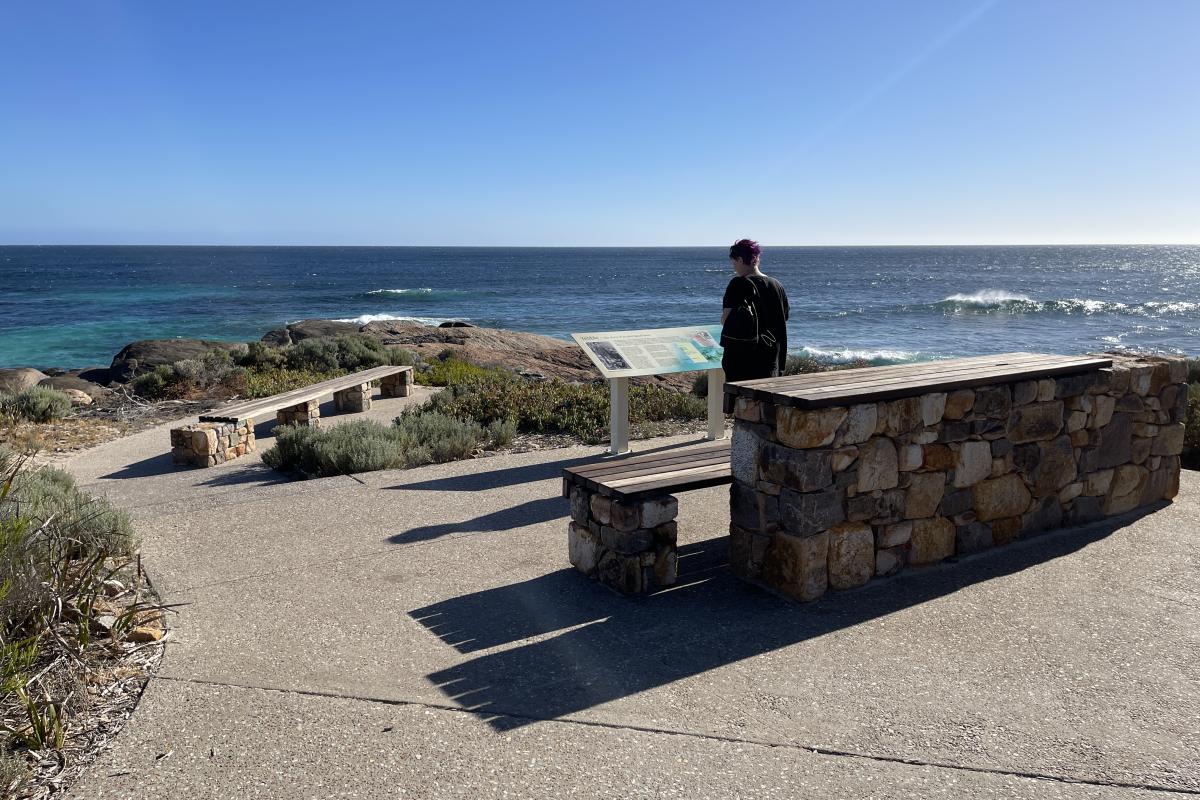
530	513
616	647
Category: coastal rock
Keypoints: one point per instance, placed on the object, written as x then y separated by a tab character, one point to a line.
309	329
98	375
19	378
143	356
457	324
69	382
78	398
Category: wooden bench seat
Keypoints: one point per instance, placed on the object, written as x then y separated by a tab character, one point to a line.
652	474
266	406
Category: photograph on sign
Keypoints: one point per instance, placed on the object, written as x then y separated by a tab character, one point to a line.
658	351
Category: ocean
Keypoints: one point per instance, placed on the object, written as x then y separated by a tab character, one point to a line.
77	306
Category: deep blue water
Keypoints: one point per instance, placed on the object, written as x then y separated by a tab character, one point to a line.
76	306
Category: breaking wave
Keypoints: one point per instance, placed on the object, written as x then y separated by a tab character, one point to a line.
846	354
368	318
999	301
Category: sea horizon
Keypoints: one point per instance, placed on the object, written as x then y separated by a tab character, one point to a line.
72	306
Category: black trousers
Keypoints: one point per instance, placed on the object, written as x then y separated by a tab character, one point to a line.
744	363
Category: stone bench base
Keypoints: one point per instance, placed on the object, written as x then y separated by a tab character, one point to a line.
398	385
628	546
207	444
305	415
354	399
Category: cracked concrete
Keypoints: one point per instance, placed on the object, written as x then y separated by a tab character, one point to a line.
420	634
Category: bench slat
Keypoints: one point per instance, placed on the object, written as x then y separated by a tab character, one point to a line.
654	473
885	383
600	469
269	405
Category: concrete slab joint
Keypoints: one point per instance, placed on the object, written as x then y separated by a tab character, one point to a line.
942	474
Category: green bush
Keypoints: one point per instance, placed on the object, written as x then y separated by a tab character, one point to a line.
260	355
36	404
267	381
364	446
501	432
1191	436
155	384
214	369
400	357
805	364
450	370
1193	366
349	352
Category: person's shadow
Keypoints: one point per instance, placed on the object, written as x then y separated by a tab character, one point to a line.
614	646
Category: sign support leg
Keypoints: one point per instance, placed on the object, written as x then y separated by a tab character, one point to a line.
619	416
716	413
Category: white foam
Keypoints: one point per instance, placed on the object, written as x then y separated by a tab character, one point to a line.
369	318
850	354
988	297
421	290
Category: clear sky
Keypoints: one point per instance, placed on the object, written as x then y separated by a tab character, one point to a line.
600	123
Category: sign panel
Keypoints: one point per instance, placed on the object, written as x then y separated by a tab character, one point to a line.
658	351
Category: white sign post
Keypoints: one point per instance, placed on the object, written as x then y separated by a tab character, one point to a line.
621	355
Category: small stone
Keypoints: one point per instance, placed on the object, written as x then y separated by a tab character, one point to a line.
1098	483
1070	492
972	538
810	513
841	460
994	402
747	409
887	562
1145	429
1025	393
1046	515
1045	390
895	535
958	403
1080	438
925	437
911	457
1140	378
860	423
659	511
974	463
851	559
924	494
583	549
1006	531
666	566
601	508
933	408
144	633
1077	421
1170	440
954	432
1139	449
1072	385
903	416
805	428
638	540
937	457
798	567
999	498
932	540
955	503
1056	468
1000	466
1126	491
1034	423
878	466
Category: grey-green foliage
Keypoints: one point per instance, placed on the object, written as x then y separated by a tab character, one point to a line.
260	355
349	352
401	357
365	446
501	432
36	404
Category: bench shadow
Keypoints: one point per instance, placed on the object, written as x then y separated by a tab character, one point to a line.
531	513
159	464
614	647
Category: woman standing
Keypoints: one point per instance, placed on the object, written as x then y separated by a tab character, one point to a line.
754	319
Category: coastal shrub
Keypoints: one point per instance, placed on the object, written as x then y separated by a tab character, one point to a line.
401	357
451	370
1193	367
260	356
804	364
415	438
153	385
267	381
556	406
1191	436
35	404
501	432
216	369
348	352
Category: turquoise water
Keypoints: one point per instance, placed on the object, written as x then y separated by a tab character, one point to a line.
77	306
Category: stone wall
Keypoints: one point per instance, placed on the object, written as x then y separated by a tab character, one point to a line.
626	545
830	498
206	444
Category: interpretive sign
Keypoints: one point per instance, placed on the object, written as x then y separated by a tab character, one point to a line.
621	355
658	351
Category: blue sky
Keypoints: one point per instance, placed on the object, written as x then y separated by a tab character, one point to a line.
600	123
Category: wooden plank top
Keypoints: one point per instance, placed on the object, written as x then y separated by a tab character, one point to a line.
654	473
253	409
869	384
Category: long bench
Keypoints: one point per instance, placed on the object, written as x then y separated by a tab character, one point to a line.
226	433
623	529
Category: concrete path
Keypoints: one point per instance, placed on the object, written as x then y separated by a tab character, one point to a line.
420	634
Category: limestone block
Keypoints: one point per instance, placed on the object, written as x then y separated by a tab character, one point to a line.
1098	483
1101	382
1006	531
1177	370
1120	379
933	408
974	463
925	437
1034	423
1080	438
903	416
666	566
1169	441
910	457
1077	421
802	429
955	502
1146	429
1139	450
958	403
1046	515
999	498
1025	393
1000	466
1140	378
1129	480
659	511
580	505
638	540
954	432
924	494
1085	510
1116	442
860	424
204	441
932	540
895	535
972	538
1046	390
810	513
878	465
937	458
802	470
755	511
1131	403
740	547
994	402
1153	462
743	454
747	409
1070	492
851	560
1072	385
583	549
601	508
878	506
798	566
843	459
1056	467
621	572
888	562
